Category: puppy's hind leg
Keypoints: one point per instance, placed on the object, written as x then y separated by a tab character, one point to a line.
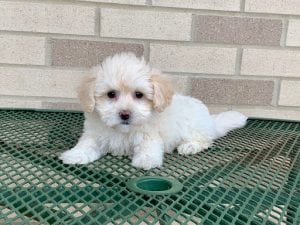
194	145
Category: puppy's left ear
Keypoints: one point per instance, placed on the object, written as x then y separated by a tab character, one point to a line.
162	92
86	93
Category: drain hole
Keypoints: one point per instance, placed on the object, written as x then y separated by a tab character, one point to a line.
154	184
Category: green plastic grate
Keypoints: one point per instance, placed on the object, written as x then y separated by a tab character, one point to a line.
251	176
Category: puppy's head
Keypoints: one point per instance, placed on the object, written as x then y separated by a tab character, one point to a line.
125	92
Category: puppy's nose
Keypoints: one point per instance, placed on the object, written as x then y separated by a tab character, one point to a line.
124	114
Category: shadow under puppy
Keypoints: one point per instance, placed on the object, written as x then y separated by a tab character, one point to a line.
131	109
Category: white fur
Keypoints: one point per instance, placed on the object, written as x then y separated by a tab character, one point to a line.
184	124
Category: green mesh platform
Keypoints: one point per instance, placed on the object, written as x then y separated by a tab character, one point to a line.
251	176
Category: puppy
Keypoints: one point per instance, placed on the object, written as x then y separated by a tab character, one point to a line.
131	109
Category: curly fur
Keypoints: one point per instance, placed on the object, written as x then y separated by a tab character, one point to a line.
159	122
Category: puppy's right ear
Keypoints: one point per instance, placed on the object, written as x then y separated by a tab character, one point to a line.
86	93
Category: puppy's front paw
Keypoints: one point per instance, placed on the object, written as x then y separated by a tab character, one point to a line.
190	148
146	162
78	156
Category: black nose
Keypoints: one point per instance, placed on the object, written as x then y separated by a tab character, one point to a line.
124	114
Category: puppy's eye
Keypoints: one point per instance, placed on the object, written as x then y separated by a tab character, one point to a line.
111	94
139	94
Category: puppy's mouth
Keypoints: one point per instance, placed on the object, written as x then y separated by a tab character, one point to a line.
125	123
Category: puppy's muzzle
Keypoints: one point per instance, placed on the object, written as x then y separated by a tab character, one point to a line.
125	116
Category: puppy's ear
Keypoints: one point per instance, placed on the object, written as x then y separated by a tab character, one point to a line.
86	93
162	92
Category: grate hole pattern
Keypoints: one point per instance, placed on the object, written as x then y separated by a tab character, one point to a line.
251	176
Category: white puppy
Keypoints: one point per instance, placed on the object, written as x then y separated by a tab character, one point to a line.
130	109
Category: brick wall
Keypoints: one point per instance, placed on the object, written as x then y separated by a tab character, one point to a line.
232	54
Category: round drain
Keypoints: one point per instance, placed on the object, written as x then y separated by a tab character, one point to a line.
150	185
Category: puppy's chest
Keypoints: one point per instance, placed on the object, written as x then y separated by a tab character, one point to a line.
120	144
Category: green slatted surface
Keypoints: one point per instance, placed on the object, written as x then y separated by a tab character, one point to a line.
251	176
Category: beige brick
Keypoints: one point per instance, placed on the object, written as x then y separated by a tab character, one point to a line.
83	53
273	6
237	30
127	2
233	91
180	84
289	93
48	18
145	24
293	35
39	82
193	59
268	62
227	5
22	49
261	112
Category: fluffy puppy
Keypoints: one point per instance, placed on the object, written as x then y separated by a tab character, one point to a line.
131	109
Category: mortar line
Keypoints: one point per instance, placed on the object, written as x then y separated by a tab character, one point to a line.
192	33
283	38
275	93
39	98
242	5
238	61
223	45
98	22
73	37
257	76
256	107
147	51
44	67
229	76
48	59
278	92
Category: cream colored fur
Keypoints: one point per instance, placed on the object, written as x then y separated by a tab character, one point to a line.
159	122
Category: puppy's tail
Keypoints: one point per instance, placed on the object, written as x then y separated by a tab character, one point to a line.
227	121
